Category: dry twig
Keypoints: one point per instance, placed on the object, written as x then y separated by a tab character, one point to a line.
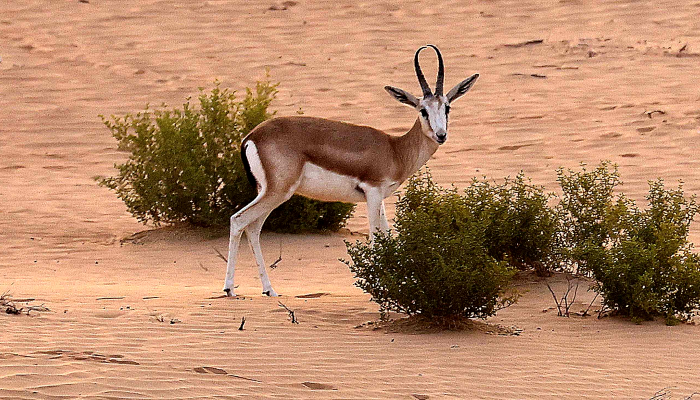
564	300
291	313
220	255
585	313
661	394
556	301
665	394
11	308
274	264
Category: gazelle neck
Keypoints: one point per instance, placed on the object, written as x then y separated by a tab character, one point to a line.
413	149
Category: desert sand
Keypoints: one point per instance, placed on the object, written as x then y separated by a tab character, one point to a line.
562	82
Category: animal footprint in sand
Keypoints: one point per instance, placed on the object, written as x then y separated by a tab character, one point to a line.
213	370
219	371
87	356
318	386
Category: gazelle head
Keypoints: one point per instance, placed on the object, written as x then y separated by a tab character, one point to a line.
434	108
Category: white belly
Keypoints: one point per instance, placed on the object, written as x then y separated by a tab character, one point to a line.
322	184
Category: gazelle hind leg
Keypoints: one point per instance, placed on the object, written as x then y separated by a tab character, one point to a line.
259	209
234	243
251	218
253	230
253	233
248	214
239	222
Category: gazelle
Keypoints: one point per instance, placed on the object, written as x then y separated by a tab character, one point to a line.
336	161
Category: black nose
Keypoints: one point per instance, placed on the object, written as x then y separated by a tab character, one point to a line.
441	138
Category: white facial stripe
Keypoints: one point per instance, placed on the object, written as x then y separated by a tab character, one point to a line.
437	120
436	114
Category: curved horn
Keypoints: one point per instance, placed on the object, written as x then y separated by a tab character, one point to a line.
441	72
419	74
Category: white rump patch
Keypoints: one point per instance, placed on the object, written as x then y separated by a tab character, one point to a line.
256	168
322	184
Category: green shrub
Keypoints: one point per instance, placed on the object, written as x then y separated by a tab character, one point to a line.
520	227
587	211
437	264
301	214
648	269
185	164
641	260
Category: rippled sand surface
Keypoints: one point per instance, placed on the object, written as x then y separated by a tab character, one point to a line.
561	83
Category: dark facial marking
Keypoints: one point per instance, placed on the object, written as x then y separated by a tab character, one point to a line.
424	113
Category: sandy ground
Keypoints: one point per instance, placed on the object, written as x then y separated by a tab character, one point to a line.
140	320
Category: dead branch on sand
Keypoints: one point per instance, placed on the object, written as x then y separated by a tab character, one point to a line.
665	394
11	308
585	312
291	313
221	256
564	300
274	264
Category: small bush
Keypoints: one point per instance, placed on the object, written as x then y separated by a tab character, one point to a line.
301	214
641	260
185	164
520	227
588	212
437	264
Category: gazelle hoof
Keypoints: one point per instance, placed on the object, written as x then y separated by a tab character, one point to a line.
270	293
229	293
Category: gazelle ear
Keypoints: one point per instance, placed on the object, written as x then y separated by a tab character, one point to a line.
402	96
461	88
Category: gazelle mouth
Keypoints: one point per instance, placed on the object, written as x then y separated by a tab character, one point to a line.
440	136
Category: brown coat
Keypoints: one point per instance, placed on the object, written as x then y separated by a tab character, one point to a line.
285	144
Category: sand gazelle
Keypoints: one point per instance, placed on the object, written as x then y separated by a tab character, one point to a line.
336	161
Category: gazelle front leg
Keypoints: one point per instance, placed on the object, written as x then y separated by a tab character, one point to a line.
383	223
375	211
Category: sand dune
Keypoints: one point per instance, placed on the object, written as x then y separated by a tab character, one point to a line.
561	83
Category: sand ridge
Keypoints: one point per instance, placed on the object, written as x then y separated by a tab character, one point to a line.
561	83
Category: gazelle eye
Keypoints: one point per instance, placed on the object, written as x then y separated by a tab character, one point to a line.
424	113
